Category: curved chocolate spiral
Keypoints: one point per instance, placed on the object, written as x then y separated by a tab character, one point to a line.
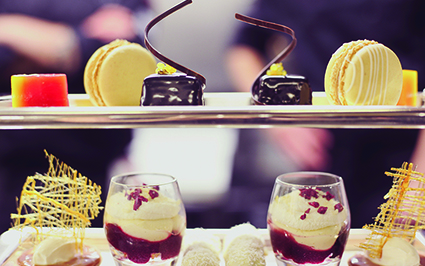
161	57
273	26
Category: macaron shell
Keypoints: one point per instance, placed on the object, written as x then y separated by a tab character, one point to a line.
363	72
89	82
335	71
331	89
382	79
121	73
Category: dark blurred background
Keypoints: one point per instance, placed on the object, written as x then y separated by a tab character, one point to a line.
47	36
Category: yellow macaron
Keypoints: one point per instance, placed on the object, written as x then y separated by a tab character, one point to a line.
114	73
363	72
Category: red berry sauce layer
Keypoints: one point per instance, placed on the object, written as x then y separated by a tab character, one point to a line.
287	248
139	250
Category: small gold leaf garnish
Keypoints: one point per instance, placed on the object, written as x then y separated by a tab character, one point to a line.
164	69
402	214
60	202
276	70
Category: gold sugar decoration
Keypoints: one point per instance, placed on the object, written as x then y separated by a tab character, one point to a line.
403	212
276	70
164	69
61	202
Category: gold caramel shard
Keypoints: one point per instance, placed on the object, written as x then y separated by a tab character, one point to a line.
61	202
403	212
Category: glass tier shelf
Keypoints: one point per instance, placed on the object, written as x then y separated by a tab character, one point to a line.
230	110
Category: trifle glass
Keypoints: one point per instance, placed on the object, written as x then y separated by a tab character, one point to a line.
308	219
144	219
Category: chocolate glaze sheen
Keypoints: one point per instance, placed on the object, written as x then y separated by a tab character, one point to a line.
139	250
174	89
283	90
285	246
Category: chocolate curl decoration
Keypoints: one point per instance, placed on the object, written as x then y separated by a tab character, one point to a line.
161	57
272	26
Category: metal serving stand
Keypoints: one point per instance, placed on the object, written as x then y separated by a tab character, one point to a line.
230	110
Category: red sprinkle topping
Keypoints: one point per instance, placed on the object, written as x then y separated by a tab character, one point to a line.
302	217
314	204
137	203
338	207
308	193
153	193
328	196
139	199
134	194
322	210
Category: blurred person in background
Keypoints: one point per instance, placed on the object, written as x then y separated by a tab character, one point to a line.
60	36
360	156
51	36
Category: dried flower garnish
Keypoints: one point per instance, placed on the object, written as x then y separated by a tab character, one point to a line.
328	196
304	215
138	198
308	193
153	194
322	210
338	207
314	204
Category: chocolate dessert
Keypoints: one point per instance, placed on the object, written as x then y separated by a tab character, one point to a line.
281	90
163	88
172	89
278	88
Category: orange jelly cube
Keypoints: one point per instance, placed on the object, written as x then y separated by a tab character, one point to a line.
410	88
39	90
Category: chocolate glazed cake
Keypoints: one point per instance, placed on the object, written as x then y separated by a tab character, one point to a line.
185	88
278	89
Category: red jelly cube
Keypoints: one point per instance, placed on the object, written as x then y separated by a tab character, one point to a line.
39	90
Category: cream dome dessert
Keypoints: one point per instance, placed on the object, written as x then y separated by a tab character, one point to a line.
54	250
397	252
310	220
54	210
394	230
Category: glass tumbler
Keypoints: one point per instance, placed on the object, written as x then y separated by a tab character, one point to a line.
144	219
308	219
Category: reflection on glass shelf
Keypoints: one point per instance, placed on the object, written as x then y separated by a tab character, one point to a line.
233	110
